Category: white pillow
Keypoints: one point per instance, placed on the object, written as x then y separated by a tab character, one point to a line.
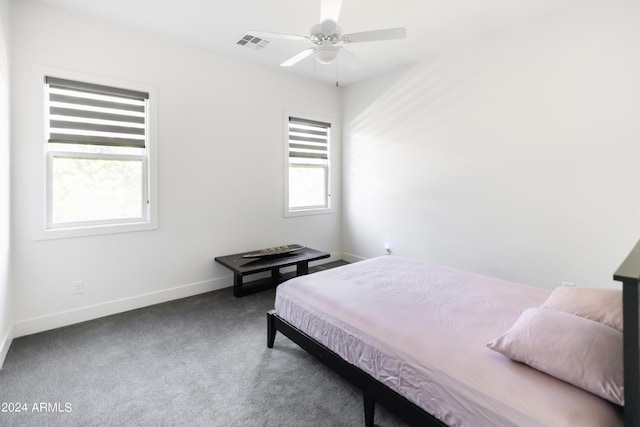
601	305
579	351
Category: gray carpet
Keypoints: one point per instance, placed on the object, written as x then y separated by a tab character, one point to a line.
199	361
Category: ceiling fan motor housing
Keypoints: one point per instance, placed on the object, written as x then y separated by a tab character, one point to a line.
327	30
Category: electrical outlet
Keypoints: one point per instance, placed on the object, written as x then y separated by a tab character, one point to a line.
568	285
77	287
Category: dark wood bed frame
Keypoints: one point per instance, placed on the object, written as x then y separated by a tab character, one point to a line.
374	391
629	274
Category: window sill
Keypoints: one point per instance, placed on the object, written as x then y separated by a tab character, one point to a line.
307	212
94	230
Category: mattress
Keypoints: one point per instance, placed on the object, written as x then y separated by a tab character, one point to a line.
422	330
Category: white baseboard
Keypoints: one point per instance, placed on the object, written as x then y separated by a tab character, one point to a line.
336	256
65	318
82	314
5	344
352	258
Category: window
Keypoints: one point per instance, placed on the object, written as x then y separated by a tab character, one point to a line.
97	155
307	184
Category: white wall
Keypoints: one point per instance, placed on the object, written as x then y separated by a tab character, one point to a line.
515	157
220	170
5	228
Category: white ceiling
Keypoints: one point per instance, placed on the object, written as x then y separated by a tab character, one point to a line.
433	26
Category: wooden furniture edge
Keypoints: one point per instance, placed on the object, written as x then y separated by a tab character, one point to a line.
629	274
271	263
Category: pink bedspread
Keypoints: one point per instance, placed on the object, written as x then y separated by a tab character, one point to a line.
422	330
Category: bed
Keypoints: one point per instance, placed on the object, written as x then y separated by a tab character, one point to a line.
434	353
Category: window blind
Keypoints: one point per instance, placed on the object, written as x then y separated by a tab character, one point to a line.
308	139
84	113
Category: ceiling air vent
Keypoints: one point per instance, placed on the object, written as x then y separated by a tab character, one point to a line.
252	42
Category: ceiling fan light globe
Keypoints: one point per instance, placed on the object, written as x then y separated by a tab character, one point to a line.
326	54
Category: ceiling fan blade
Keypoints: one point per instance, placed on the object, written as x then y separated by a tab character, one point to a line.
330	10
349	59
268	35
297	58
375	35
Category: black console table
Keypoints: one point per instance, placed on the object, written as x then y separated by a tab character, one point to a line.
241	265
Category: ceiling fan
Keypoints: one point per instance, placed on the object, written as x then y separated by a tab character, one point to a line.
327	35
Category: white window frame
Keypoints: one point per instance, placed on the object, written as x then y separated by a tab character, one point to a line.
43	228
307	210
52	154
